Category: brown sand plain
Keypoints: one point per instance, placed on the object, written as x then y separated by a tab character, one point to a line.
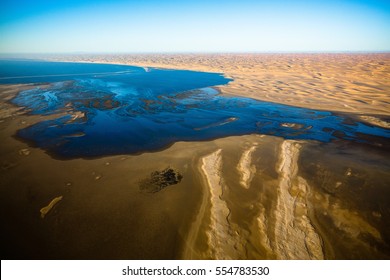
241	197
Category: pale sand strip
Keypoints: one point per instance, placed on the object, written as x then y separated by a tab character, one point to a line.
245	168
224	243
47	208
295	237
375	121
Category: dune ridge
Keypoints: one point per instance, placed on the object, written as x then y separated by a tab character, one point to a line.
295	236
224	243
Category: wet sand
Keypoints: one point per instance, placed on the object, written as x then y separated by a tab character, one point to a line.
241	197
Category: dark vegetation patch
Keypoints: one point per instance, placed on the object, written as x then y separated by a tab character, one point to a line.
159	180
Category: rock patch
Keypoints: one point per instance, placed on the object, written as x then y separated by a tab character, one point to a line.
159	180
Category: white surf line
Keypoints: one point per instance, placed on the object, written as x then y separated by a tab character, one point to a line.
224	242
64	75
245	168
295	236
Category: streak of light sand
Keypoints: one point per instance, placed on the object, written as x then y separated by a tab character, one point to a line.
45	210
245	167
375	121
295	236
224	243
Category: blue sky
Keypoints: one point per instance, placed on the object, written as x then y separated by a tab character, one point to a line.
193	26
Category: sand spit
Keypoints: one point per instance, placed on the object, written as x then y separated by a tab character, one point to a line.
45	210
224	243
77	115
295	236
245	167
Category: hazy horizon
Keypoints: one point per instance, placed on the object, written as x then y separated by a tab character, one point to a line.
6	54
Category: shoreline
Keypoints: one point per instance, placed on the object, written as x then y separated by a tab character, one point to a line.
281	78
375	118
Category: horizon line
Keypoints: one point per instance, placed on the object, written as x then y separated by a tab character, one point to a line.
192	52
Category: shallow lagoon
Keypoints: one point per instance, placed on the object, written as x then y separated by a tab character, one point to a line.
116	109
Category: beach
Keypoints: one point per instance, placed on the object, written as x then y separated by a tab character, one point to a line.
250	196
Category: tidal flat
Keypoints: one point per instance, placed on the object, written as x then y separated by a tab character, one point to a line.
240	185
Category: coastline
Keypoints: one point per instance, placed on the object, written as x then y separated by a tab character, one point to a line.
346	83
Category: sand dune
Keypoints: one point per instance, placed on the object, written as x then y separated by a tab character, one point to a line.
224	243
